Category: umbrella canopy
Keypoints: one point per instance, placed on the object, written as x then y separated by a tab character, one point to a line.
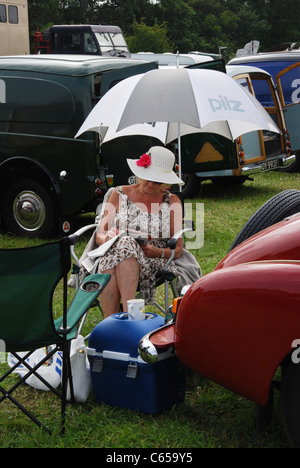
199	100
184	100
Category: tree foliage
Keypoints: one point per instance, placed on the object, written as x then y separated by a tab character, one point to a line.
183	25
149	38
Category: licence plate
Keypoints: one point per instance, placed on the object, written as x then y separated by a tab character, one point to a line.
272	164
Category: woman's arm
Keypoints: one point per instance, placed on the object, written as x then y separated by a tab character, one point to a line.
176	222
105	231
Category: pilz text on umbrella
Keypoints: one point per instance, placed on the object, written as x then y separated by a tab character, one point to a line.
225	104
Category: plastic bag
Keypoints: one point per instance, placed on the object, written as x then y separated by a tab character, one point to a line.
51	371
82	382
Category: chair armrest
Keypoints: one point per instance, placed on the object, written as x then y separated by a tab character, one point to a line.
172	243
73	238
88	292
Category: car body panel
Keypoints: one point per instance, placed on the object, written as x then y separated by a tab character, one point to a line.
237	324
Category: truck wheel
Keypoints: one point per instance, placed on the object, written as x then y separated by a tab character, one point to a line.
191	187
281	206
290	403
27	209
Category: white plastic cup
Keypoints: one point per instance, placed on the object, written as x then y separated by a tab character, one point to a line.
136	309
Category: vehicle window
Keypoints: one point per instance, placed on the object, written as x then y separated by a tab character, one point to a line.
54	38
3	15
118	40
263	93
97	84
42	101
13	14
262	90
104	41
70	42
89	44
244	82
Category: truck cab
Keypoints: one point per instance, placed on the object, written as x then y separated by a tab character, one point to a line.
82	39
46	176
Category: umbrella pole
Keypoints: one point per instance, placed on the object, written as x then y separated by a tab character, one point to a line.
179	155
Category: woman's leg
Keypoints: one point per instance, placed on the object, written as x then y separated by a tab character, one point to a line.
122	285
127	274
110	297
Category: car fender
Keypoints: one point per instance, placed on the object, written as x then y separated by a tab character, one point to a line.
277	242
236	325
21	166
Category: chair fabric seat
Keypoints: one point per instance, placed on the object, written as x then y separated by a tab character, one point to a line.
28	279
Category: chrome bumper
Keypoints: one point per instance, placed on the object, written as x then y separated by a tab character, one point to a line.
259	167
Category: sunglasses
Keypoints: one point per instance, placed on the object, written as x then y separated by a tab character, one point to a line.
156	183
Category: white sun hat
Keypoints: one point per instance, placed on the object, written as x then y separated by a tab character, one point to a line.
156	166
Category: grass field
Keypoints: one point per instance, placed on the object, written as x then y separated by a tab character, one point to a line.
211	416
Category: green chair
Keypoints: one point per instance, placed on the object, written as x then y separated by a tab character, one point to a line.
28	279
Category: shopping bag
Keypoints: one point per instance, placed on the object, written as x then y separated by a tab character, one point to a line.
51	371
82	382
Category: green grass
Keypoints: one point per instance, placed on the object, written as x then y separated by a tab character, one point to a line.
211	416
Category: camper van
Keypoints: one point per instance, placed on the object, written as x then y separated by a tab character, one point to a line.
14	27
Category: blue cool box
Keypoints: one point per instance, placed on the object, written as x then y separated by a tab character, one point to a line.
121	378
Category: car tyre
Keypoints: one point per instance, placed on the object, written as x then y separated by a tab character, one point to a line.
290	404
276	209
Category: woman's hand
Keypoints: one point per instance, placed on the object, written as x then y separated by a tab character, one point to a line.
151	251
111	233
102	237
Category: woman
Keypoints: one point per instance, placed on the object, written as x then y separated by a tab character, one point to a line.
146	208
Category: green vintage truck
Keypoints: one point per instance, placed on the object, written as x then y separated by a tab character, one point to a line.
46	176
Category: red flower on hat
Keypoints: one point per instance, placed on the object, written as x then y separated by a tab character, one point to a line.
144	161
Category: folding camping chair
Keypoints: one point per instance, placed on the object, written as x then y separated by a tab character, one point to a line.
28	279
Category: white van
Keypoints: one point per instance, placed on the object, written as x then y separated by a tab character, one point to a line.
168	60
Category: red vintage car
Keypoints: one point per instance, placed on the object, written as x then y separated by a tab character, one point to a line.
241	323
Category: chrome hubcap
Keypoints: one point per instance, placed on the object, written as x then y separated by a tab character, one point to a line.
29	211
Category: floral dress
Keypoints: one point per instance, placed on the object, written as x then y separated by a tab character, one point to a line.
156	226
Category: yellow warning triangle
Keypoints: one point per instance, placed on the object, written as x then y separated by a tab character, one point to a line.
208	153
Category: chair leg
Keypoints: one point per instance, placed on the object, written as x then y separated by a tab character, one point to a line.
6	394
67	378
